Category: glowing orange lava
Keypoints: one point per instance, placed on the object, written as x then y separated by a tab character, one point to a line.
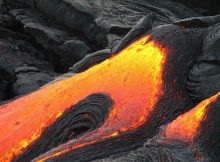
133	78
186	125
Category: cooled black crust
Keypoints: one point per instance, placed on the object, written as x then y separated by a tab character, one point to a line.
198	22
203	78
87	115
91	60
143	26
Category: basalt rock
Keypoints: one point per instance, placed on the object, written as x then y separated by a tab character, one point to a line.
203	78
202	6
17	54
30	79
97	18
91	60
7	79
66	48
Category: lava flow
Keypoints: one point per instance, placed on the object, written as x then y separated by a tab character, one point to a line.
185	126
132	77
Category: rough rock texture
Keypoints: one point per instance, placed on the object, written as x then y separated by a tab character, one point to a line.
65	46
29	79
20	57
19	60
203	79
98	18
156	150
85	116
7	78
90	60
204	7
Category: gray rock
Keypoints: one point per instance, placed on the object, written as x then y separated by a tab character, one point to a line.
198	22
143	25
22	68
85	63
203	79
98	18
7	79
113	40
73	50
66	48
17	53
30	79
210	7
7	25
14	54
48	37
7	21
90	60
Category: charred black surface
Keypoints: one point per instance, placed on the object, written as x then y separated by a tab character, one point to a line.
83	117
156	150
203	78
207	7
143	26
198	22
209	132
104	148
91	60
7	79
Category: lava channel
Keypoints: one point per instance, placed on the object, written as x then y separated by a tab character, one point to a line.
132	77
187	126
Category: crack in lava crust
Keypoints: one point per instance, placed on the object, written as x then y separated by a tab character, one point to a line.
132	77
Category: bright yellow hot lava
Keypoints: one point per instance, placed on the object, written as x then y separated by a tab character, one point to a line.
133	78
186	125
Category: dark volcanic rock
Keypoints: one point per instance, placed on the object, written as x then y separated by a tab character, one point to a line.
30	79
22	67
7	21
73	50
66	48
18	55
7	78
85	63
103	23
203	79
204	7
91	60
98	18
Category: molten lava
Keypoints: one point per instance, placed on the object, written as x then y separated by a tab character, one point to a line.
133	78
185	126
